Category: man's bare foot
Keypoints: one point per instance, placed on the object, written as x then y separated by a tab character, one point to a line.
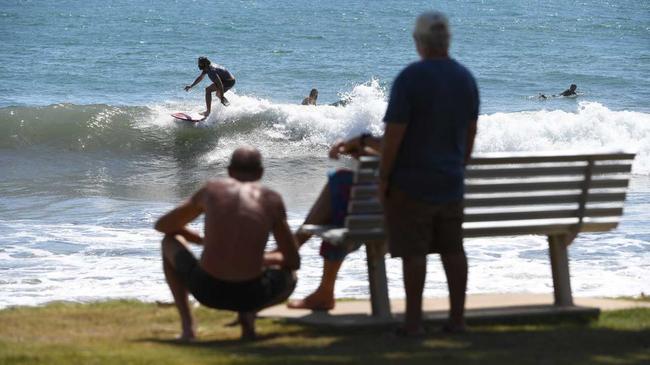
225	101
314	301
205	113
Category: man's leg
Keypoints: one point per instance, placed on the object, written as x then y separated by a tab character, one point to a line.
172	245
456	271
208	98
415	270
323	297
319	214
247	322
247	319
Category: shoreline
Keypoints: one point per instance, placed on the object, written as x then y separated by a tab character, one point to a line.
358	305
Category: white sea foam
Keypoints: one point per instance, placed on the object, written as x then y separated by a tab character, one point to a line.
281	129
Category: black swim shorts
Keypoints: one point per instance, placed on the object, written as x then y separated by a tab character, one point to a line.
228	84
272	286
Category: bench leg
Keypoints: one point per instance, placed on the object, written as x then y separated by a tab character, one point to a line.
379	299
560	268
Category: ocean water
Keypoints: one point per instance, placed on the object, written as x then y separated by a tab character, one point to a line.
89	156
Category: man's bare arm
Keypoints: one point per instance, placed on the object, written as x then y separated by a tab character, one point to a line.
175	220
196	81
353	147
471	135
287	253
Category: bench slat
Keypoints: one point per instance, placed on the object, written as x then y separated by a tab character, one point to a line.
541	214
542	226
475	187
363	191
536	185
367	176
526	157
367	206
560	198
368	162
315	229
525	172
342	235
364	221
543	157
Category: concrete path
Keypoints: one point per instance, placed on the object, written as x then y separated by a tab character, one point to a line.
479	307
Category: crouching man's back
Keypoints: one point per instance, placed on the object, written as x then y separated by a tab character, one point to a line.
234	271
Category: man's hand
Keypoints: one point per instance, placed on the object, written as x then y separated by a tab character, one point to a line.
273	258
337	149
350	147
188	87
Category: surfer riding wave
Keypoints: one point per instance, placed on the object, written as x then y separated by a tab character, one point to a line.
222	81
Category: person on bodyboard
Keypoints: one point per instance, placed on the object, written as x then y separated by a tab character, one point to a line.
571	91
222	81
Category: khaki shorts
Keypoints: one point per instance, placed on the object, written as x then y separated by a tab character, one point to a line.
417	228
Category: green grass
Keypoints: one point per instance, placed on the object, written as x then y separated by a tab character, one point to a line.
129	332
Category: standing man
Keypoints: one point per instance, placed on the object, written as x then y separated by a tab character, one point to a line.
234	271
430	128
222	81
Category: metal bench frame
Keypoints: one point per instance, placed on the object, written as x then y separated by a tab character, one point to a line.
554	194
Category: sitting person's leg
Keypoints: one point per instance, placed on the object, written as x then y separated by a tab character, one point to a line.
178	263
329	208
323	297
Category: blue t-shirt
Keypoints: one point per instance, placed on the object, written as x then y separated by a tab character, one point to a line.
437	100
215	71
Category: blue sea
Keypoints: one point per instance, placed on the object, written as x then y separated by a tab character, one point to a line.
90	156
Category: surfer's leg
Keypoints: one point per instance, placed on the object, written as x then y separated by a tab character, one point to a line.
177	260
208	98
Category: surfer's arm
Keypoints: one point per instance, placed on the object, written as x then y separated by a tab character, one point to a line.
175	221
196	81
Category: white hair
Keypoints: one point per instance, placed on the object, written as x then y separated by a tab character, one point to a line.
432	30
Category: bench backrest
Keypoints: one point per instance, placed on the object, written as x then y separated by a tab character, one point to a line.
519	193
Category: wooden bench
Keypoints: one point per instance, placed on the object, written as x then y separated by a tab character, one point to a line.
506	194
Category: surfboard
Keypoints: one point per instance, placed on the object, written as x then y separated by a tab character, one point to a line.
186	117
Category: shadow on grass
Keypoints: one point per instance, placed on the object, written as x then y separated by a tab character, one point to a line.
522	344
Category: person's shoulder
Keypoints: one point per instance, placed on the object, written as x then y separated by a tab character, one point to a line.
410	72
273	202
463	71
270	195
411	68
219	182
460	67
